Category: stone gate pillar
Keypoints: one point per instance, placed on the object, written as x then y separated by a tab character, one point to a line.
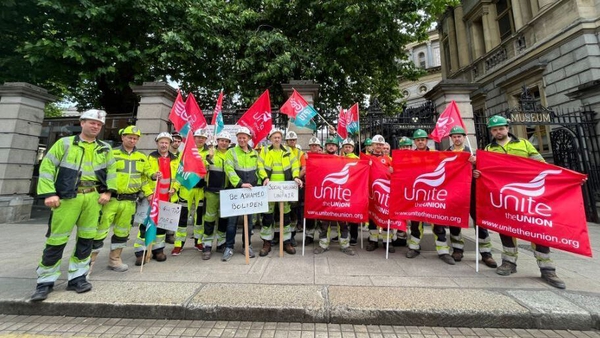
460	91
309	91
153	113
21	117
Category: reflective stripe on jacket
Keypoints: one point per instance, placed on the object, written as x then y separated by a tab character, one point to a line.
70	161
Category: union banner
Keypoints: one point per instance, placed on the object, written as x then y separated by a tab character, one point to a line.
336	188
431	186
539	202
379	195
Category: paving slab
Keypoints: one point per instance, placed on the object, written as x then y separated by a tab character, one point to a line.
417	306
258	302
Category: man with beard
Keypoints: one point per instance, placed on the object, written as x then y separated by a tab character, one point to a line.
506	143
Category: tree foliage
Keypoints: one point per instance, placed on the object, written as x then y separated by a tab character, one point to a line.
93	51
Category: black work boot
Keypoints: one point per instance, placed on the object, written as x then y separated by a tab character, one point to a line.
41	292
79	285
550	277
506	268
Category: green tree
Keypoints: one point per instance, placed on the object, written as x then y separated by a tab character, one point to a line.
93	51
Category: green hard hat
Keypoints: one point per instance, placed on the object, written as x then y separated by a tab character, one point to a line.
457	130
405	141
332	140
419	133
368	142
497	121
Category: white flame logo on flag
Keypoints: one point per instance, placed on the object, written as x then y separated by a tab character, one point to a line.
340	177
437	177
533	188
382	183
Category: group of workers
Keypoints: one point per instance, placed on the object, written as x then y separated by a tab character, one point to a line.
95	187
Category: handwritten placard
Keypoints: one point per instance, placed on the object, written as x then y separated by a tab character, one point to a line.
168	215
286	191
141	211
244	201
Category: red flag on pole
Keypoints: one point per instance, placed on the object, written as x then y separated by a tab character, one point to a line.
448	119
258	118
178	115
218	109
342	124
194	113
293	105
540	202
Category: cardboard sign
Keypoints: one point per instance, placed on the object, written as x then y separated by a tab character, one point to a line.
283	191
168	215
141	211
244	201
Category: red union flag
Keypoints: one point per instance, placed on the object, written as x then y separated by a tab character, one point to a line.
342	124
336	188
258	118
178	115
448	119
194	113
379	195
540	202
431	186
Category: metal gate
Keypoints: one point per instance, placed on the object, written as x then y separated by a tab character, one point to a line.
392	128
573	139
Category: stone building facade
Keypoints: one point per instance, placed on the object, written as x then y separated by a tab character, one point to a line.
549	46
426	55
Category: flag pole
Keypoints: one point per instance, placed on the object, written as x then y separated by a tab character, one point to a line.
303	234
475	221
387	244
246	240
280	229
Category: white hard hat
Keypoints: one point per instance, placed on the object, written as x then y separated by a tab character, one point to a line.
200	133
275	131
298	147
94	114
164	134
224	135
348	141
244	130
291	135
314	140
378	139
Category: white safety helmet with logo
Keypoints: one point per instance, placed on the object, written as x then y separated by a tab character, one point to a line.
164	134
94	114
378	139
224	135
348	141
275	131
291	135
244	130
201	133
314	140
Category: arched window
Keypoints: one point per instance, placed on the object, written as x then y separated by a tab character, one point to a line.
422	62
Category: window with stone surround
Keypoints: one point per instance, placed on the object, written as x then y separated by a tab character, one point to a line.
504	18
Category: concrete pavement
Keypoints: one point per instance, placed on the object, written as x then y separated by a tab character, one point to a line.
327	288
